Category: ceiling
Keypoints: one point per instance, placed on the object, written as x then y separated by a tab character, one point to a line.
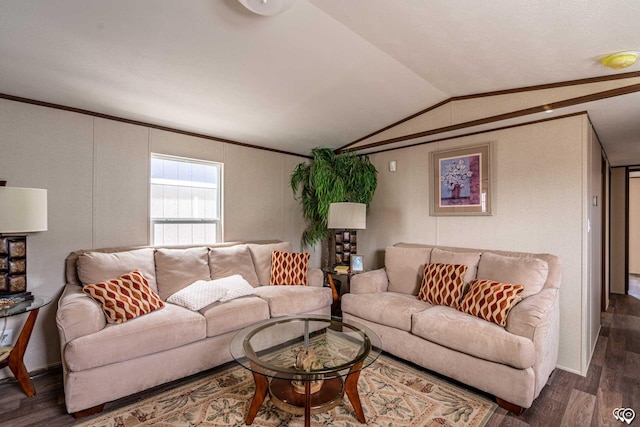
323	73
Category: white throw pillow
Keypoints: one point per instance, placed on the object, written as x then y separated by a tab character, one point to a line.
235	286
201	293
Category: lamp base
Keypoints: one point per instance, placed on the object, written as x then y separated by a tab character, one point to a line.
345	244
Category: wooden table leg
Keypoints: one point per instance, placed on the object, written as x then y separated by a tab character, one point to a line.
262	386
351	389
334	294
16	358
307	403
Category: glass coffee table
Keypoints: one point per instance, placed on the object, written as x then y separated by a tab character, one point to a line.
306	363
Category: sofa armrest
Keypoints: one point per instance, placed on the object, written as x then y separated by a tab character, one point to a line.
537	318
315	277
370	282
78	315
531	313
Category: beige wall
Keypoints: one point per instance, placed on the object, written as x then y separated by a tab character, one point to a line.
618	229
606	205
634	225
96	174
593	296
540	184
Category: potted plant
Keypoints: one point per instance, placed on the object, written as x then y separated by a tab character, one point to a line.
330	178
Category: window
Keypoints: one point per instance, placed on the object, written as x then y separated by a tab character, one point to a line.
185	201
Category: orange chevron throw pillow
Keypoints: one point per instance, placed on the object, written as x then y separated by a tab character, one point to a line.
491	300
124	298
442	284
289	268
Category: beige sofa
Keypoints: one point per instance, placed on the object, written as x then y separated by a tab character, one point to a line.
103	362
512	363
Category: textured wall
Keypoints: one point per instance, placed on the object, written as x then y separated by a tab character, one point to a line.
96	174
539	184
618	229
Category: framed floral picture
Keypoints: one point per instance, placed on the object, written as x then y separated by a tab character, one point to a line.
461	181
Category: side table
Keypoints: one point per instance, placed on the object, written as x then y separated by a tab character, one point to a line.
344	288
15	361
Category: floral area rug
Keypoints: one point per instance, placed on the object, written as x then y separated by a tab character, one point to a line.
392	394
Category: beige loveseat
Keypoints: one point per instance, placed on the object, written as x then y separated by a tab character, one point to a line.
512	363
103	362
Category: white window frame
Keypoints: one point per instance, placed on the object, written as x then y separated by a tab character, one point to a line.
217	221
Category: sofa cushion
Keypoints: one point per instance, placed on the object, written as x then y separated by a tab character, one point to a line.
465	333
529	272
470	259
285	300
392	309
491	300
223	317
405	267
125	297
171	327
443	284
261	254
225	262
289	268
178	268
96	267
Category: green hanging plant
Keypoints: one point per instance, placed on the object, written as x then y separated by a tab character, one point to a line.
330	178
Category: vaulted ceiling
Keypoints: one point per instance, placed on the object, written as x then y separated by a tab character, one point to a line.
323	73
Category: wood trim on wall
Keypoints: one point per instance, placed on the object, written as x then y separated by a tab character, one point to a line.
506	116
145	124
448	138
574	101
406	119
576	82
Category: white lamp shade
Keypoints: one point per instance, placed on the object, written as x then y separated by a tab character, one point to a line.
23	210
347	216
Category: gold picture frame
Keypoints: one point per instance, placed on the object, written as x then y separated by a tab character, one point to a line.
461	181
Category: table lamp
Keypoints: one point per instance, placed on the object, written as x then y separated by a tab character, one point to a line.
347	217
22	210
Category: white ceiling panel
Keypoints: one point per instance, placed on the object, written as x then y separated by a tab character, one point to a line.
323	73
295	80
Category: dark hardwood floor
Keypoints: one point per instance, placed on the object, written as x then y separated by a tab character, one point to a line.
568	399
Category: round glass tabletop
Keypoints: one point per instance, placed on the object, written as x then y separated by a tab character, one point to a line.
24	306
305	347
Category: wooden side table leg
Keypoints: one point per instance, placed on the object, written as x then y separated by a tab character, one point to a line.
307	403
334	294
262	386
351	389
16	358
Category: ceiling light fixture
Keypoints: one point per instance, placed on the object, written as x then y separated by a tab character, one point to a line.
267	7
620	60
